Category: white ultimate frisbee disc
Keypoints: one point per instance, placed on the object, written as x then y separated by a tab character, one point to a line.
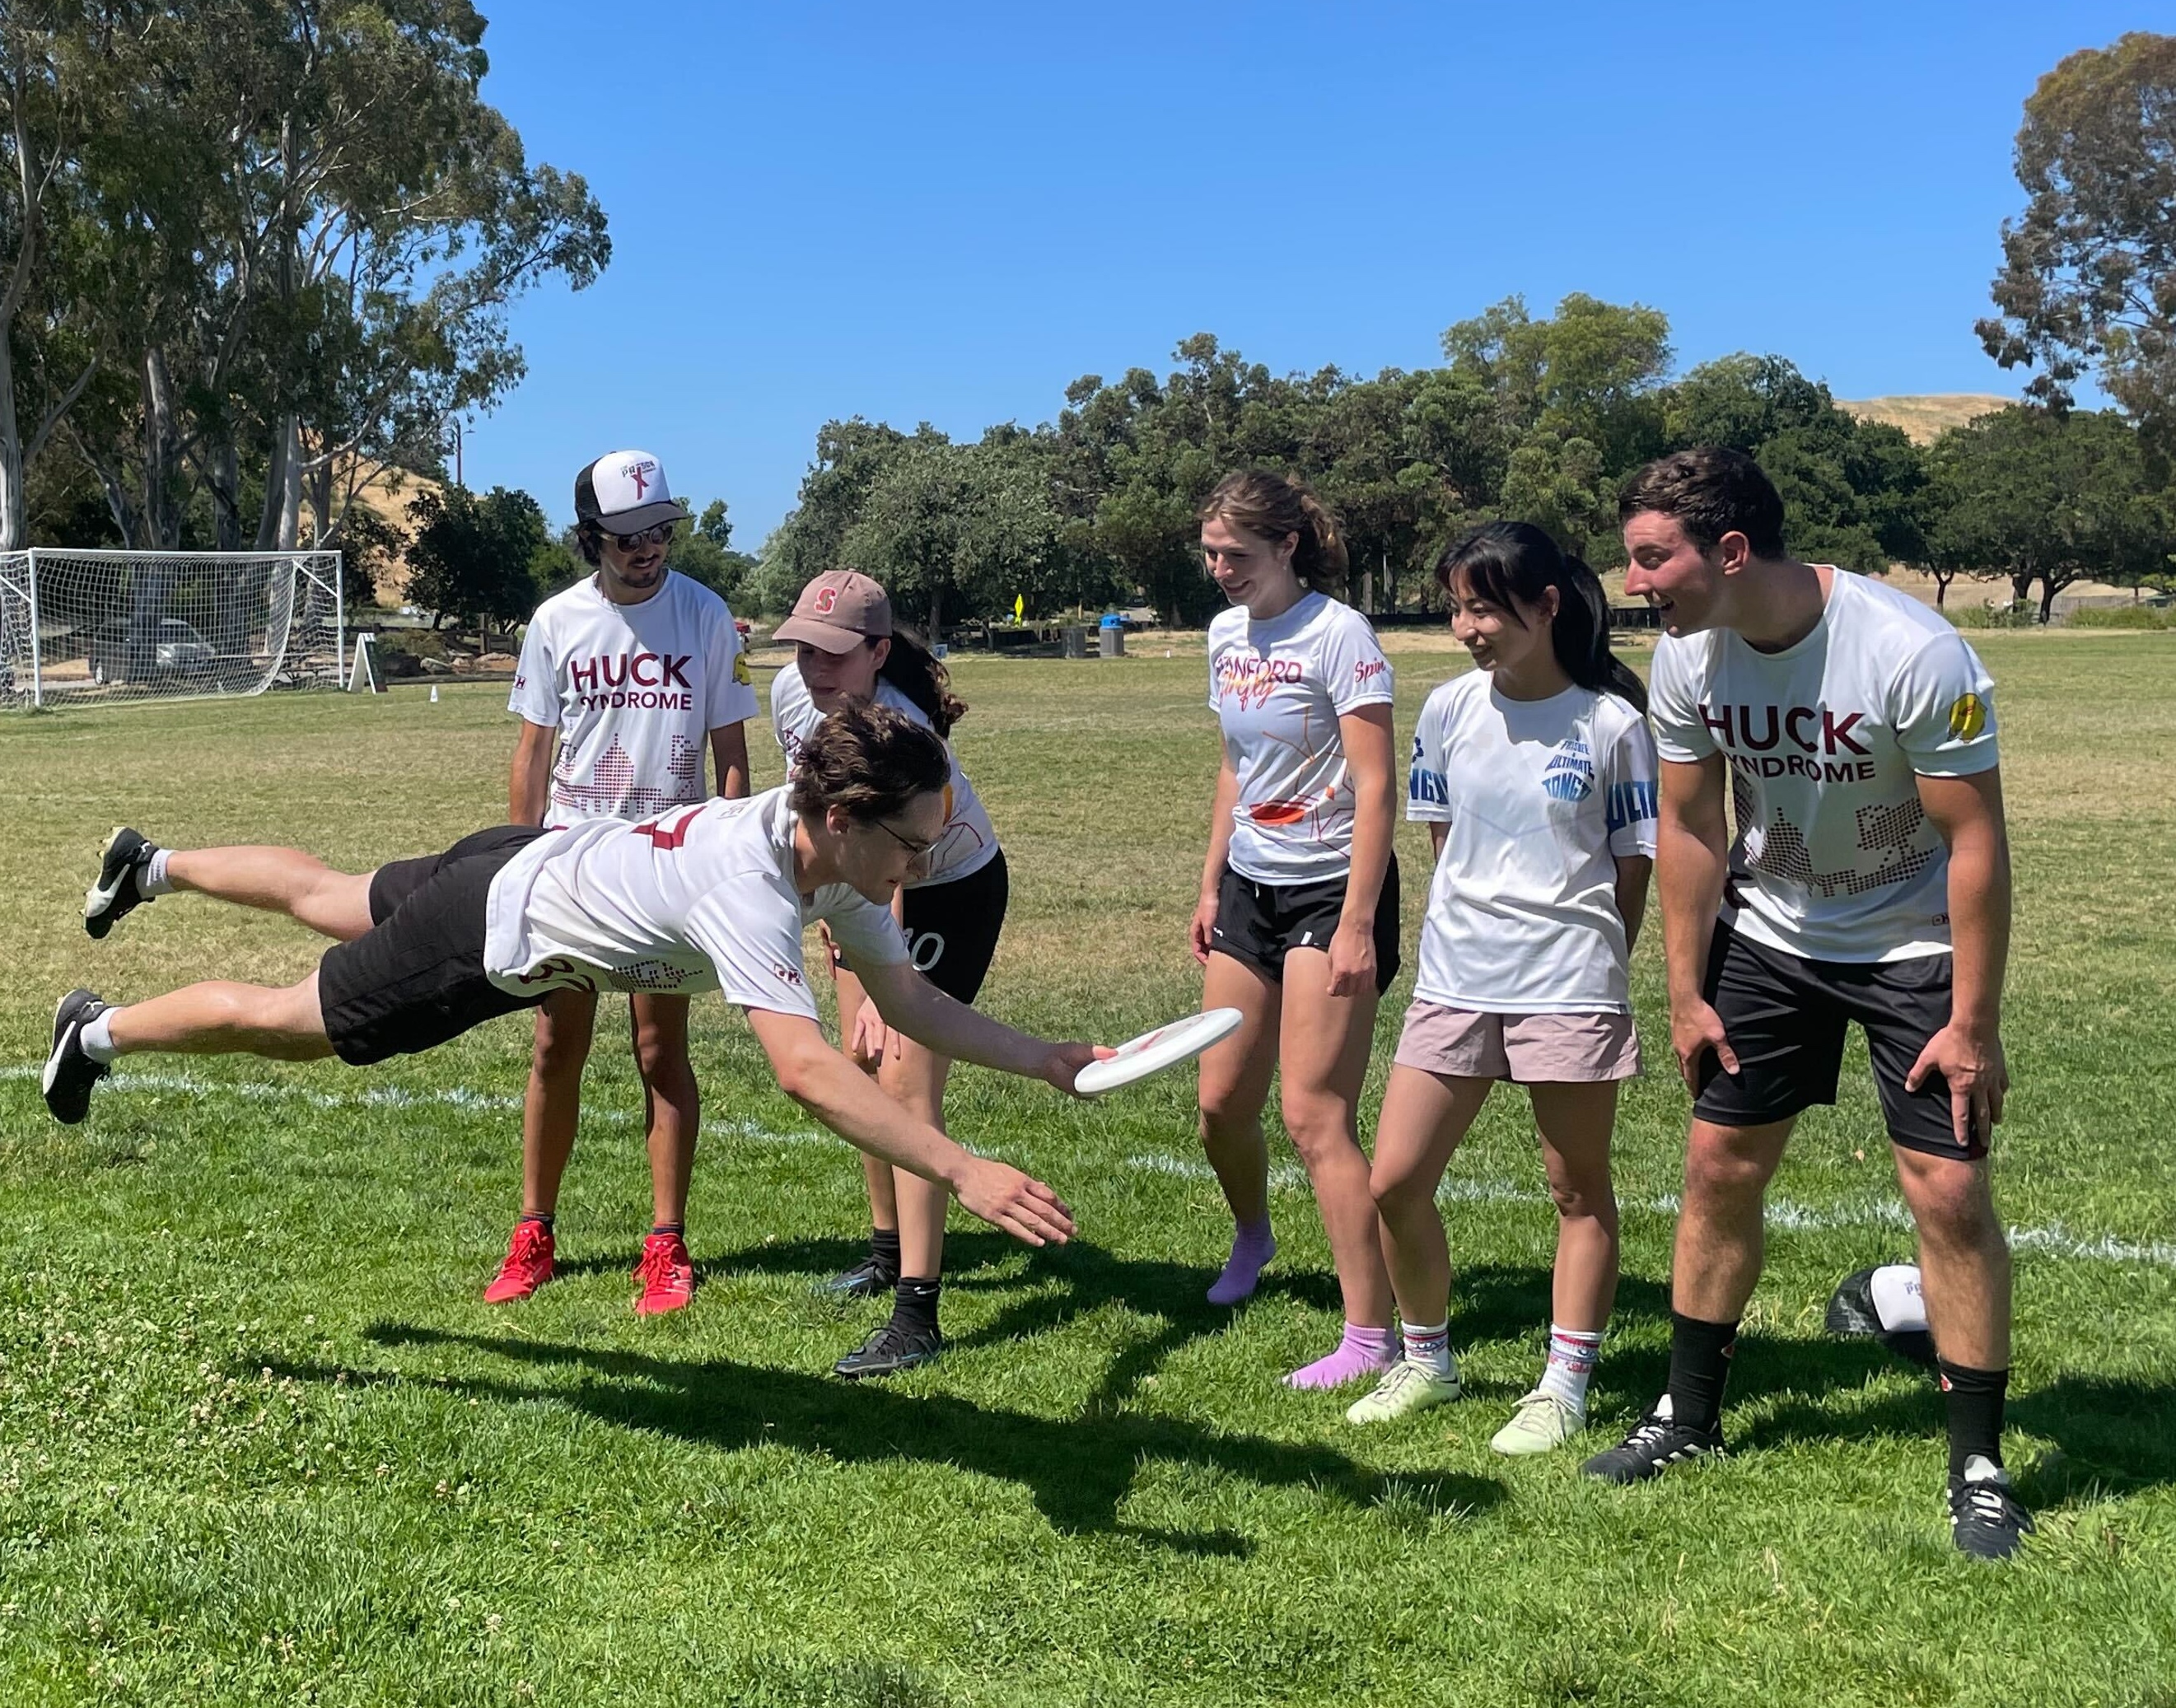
1153	1052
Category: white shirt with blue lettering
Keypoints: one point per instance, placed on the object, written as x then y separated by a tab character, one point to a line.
1542	798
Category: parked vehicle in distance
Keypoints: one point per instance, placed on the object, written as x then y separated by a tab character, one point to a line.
175	648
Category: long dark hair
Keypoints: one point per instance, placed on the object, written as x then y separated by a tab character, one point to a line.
911	668
1514	563
1270	507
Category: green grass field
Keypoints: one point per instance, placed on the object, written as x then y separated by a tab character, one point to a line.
261	1441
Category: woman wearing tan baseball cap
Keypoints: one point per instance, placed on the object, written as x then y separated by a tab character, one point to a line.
952	910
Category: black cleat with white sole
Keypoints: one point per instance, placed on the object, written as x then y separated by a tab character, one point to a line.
119	889
69	1073
1985	1518
893	1348
1657	1442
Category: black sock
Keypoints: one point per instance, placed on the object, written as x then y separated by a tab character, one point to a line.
658	1227
542	1222
914	1304
883	1247
1973	1400
1699	1366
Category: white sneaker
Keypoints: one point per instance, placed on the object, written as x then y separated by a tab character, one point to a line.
1405	1388
1542	1424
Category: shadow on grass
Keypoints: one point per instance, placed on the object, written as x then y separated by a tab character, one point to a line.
1077	1469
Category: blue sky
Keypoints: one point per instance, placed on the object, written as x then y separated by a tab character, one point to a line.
949	212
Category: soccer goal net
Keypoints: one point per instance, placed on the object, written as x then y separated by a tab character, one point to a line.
89	628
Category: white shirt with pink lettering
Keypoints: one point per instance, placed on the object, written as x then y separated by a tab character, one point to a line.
1835	859
1278	688
634	692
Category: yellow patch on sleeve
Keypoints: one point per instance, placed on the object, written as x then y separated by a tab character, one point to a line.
741	669
1967	718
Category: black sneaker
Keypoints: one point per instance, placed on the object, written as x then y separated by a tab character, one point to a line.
1657	1442
121	863
1985	1520
70	1074
1855	1312
891	1349
868	1279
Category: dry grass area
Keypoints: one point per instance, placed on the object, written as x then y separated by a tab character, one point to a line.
1926	418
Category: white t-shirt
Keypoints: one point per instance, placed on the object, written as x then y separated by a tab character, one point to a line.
1542	798
634	692
968	844
1835	859
1278	688
701	898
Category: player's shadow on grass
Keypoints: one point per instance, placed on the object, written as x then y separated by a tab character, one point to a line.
1078	1469
1062	1283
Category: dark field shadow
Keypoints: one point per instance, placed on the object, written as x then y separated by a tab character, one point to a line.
1078	1470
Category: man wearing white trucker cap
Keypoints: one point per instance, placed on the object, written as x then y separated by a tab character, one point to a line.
631	671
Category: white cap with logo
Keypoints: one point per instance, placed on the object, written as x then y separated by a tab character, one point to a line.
625	492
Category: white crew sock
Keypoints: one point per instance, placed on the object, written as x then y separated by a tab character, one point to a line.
152	879
1573	1353
1429	1349
97	1037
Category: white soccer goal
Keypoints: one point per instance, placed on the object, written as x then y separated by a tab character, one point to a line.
92	628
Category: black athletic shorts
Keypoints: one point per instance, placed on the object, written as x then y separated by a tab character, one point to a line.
1260	923
952	928
1785	1018
416	978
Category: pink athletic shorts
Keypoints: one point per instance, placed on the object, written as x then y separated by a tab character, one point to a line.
1526	1049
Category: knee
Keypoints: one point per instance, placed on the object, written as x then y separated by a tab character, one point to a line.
561	1050
1951	1204
1225	1108
1715	1171
1399	1189
1579	1201
1320	1127
663	1059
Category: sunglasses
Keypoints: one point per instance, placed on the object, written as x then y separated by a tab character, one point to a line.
920	851
649	536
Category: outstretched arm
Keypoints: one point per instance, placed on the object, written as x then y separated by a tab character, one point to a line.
843	1098
910	1003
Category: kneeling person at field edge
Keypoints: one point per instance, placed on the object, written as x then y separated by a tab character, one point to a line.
1870	882
708	897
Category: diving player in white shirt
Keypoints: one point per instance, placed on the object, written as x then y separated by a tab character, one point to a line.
632	672
1536	777
1869	883
711	896
1297	924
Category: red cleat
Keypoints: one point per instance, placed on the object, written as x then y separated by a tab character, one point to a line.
667	1275
527	1267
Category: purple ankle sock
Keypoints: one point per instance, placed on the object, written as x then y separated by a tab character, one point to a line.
1252	1245
1361	1352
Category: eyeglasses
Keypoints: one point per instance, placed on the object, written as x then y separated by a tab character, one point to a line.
920	851
649	536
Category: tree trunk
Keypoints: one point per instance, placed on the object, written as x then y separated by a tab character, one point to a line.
2021	586
280	519
1942	587
936	614
162	522
2048	588
226	483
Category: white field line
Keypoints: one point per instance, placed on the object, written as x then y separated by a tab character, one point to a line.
1783	1215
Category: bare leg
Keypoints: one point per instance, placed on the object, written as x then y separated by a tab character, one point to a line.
218	1018
278	880
1235	1084
914	1077
1964	1257
1324	1048
552	1107
1721	1240
673	1104
1425	1118
1575	1122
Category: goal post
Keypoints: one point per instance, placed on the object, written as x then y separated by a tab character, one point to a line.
97	628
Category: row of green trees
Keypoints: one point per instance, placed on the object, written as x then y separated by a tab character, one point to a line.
1537	417
251	256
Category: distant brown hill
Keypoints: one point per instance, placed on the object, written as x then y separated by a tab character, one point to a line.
1925	418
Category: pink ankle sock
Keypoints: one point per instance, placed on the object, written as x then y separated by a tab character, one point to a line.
1252	1245
1361	1352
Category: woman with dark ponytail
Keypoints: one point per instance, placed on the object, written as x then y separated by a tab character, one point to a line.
1297	925
1536	775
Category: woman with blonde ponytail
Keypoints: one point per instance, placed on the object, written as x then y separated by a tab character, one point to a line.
1297	925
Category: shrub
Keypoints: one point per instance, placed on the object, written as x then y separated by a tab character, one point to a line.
2124	616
